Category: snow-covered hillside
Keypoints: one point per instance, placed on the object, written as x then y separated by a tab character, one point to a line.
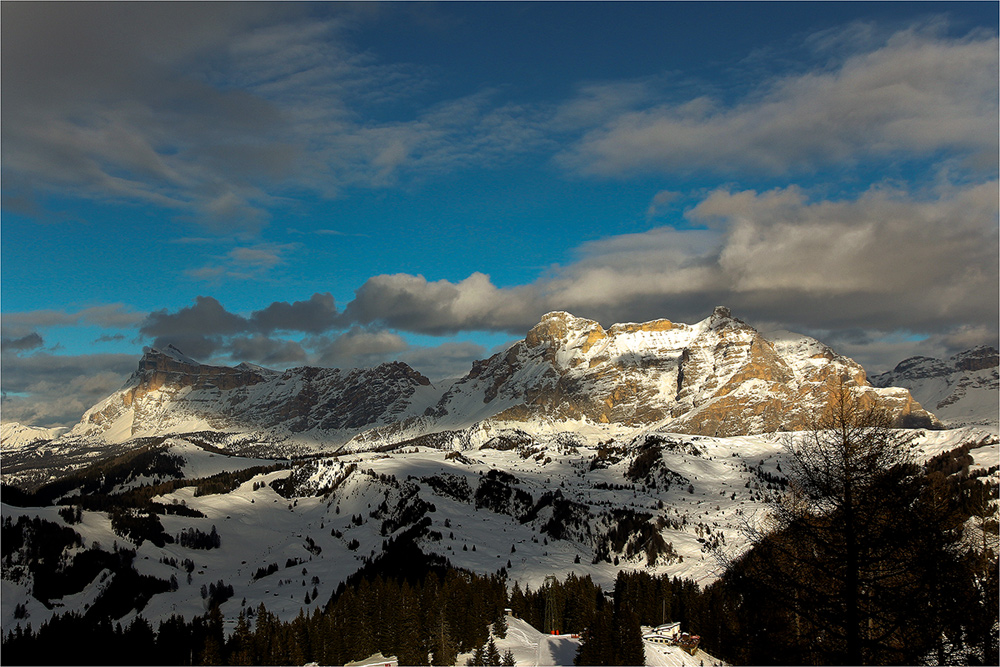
532	648
963	390
533	503
17	436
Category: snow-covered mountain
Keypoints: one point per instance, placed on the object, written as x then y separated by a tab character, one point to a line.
14	435
718	377
642	446
961	390
172	393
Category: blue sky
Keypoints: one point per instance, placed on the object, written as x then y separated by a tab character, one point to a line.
346	184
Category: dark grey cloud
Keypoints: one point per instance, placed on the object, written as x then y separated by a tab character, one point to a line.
207	317
108	316
207	329
209	321
412	303
106	100
115	338
55	390
217	110
448	360
358	348
314	316
266	351
24	343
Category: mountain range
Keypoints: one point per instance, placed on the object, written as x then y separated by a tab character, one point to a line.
718	377
642	446
961	390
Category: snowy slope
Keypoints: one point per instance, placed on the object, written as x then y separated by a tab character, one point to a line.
533	503
532	648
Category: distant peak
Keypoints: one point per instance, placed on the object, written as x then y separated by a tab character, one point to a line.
155	356
556	325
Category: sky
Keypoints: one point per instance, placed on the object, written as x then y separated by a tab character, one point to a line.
343	184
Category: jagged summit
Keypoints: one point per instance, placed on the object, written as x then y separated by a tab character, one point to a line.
978	358
170	393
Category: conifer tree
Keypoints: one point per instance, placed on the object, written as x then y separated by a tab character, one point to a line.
442	646
492	653
847	550
500	624
628	639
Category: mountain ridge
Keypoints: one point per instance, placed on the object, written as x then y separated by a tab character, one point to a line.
718	377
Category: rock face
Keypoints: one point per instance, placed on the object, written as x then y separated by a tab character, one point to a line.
962	390
717	377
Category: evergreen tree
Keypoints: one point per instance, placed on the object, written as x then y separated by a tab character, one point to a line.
492	653
629	648
597	645
443	647
240	645
478	657
500	624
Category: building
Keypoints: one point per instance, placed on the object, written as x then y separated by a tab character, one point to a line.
668	633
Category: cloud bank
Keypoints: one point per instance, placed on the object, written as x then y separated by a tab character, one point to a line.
917	94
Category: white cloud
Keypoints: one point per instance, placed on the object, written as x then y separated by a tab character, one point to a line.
253	262
917	94
886	259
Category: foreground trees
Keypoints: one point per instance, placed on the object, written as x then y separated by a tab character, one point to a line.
864	556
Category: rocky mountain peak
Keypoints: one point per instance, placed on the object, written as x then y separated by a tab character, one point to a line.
722	318
168	358
556	328
921	367
172	368
962	390
717	377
